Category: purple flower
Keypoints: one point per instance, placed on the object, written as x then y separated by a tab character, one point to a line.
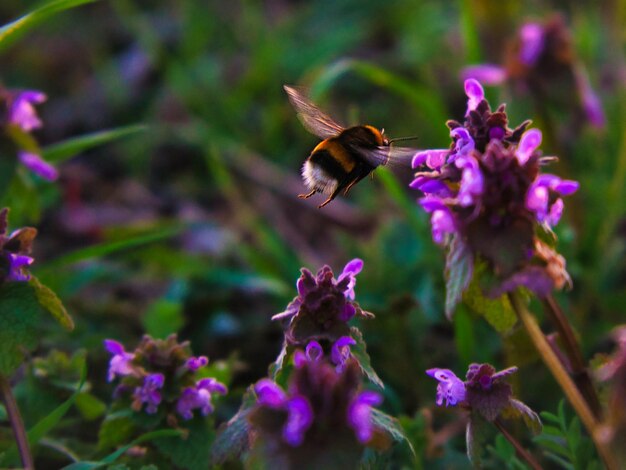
38	165
360	414
299	410
451	389
591	104
195	363
199	396
120	363
22	112
441	219
313	353
433	159
532	43
17	265
149	393
529	142
475	94
340	352
323	305
463	143
540	197
471	187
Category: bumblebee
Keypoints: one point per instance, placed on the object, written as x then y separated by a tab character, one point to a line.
346	155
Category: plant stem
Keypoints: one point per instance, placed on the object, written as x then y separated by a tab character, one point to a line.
523	453
16	423
562	377
574	354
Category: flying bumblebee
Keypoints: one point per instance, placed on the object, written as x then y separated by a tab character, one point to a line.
346	155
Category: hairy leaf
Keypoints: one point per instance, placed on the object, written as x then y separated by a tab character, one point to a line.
459	268
359	352
51	303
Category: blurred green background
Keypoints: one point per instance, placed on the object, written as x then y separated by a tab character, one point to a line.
194	224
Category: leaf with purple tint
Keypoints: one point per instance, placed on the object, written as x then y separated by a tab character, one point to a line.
517	409
459	268
359	352
233	438
475	437
498	312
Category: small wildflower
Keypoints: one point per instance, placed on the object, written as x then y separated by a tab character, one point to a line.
488	195
318	399
313	353
149	393
340	352
323	305
199	396
15	249
450	390
38	165
157	365
22	111
541	58
120	363
360	414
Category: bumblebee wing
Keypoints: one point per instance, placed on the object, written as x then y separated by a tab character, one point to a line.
314	120
392	156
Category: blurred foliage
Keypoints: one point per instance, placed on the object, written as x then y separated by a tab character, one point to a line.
193	226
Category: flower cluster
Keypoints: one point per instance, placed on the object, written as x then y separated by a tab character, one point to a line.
15	249
319	398
484	391
20	119
541	58
162	376
486	194
323	306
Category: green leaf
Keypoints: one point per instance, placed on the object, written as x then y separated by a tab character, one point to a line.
391	426
115	429
49	301
163	318
19	316
8	164
71	147
192	450
233	437
359	352
476	436
12	31
459	268
498	312
119	452
90	406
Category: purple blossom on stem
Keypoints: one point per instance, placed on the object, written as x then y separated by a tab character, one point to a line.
360	414
312	353
199	396
450	389
195	363
38	165
540	197
340	352
22	112
323	305
441	219
299	410
17	267
475	94
120	364
149	393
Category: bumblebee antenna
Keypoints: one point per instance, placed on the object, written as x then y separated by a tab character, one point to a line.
398	139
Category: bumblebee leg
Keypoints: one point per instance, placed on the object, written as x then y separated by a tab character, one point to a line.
349	187
331	197
306	196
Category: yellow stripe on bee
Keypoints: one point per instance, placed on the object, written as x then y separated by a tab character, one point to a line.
338	152
377	134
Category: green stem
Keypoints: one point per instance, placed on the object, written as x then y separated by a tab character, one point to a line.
562	377
523	453
15	418
574	354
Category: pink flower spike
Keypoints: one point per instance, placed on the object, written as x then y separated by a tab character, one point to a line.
531	139
38	165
